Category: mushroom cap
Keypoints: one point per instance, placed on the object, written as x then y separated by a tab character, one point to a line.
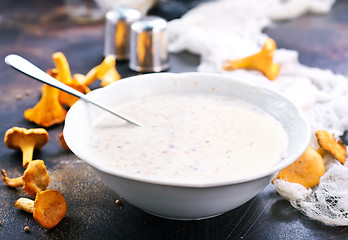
15	137
328	142
49	208
306	170
35	177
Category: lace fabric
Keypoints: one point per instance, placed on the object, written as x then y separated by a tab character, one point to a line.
328	201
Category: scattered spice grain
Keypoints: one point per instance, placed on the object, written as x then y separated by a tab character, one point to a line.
27	92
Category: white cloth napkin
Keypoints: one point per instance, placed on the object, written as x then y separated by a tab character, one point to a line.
226	29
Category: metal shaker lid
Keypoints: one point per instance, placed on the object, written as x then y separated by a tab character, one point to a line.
117	31
149	45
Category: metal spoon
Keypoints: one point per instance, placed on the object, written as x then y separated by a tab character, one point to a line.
29	69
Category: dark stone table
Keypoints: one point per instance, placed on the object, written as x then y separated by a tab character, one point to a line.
36	29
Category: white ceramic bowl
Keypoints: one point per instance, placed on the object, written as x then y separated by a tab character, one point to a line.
185	200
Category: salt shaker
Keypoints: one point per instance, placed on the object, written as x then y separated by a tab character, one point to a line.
149	45
117	31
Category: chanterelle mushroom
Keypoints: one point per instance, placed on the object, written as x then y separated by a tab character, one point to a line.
48	111
62	142
35	178
328	143
106	72
261	61
63	74
48	209
26	140
63	67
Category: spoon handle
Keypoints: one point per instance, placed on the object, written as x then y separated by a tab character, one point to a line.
24	66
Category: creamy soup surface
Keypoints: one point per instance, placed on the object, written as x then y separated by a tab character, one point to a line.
192	138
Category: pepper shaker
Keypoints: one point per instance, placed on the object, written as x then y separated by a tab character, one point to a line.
149	45
117	31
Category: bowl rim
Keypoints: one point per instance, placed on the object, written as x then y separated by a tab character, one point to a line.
152	180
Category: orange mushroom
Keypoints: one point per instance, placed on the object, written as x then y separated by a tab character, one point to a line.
62	142
79	77
48	209
26	140
328	143
106	72
306	170
261	61
48	111
63	68
63	74
35	178
90	77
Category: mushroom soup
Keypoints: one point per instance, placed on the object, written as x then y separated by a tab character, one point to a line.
193	138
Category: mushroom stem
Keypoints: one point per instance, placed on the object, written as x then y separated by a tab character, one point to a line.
28	151
11	182
25	204
90	77
63	68
105	71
